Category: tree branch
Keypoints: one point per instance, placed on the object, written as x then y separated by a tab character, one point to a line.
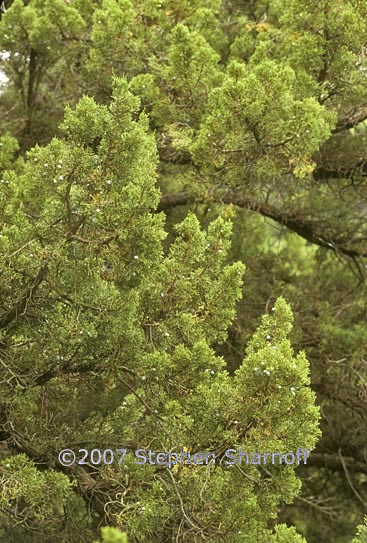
296	224
351	121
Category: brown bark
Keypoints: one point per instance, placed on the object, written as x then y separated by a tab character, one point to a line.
294	223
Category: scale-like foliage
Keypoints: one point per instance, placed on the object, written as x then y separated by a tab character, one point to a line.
109	342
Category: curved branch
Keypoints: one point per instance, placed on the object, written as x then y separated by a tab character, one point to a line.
294	223
351	121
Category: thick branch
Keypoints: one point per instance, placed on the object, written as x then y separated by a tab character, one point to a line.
64	369
351	121
294	223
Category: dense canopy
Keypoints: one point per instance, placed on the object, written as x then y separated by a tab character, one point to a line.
183	243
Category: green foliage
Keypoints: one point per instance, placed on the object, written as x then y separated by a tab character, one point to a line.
113	301
287	535
258	108
361	533
8	147
122	326
112	535
39	495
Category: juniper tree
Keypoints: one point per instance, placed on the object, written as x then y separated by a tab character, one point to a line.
108	341
261	105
